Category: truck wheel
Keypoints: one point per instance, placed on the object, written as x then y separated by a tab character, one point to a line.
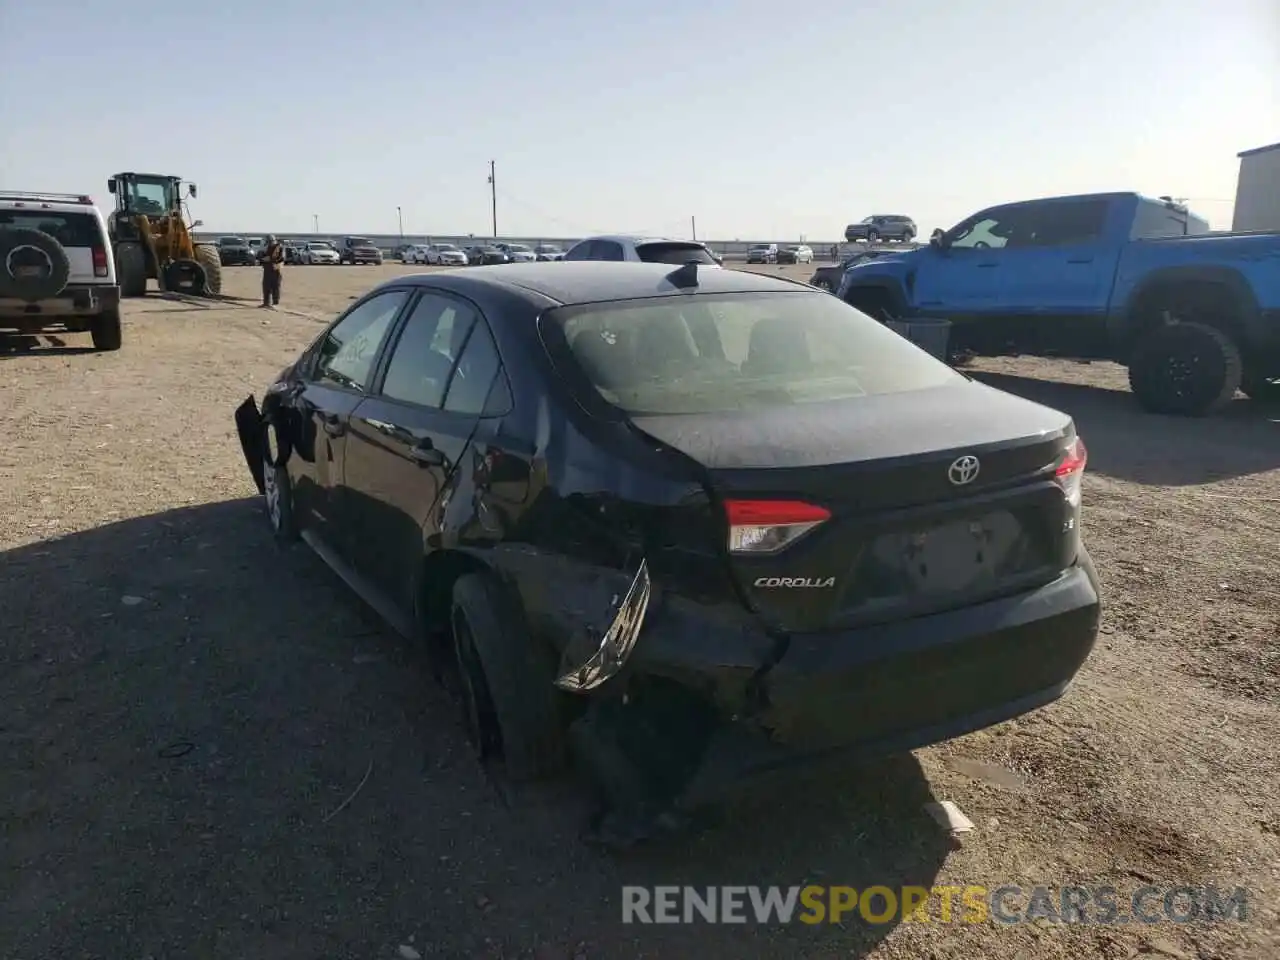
131	269
873	236
1261	388
207	256
509	700
1185	369
106	331
33	264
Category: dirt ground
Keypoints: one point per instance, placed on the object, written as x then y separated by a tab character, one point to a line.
186	708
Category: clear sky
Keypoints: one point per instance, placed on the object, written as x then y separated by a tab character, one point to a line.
764	119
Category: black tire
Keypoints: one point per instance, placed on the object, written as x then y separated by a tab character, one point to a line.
131	268
33	265
508	695
106	331
1261	388
207	257
277	493
185	276
908	236
1185	369
873	236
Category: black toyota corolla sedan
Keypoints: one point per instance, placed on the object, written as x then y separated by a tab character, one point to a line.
682	519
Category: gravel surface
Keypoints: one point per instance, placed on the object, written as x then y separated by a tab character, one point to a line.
185	706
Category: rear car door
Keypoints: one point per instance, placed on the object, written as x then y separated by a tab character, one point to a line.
79	233
409	436
1057	263
338	371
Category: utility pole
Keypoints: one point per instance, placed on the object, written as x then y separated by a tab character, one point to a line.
493	198
400	220
693	226
315	220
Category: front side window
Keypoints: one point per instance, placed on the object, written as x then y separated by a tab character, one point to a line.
348	351
718	353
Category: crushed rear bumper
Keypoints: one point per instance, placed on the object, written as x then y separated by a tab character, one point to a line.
889	688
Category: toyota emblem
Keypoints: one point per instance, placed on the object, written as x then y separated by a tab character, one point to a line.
963	470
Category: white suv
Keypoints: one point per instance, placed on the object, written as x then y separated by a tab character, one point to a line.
642	250
57	274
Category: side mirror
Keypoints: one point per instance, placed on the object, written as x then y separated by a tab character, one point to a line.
111	185
191	189
938	239
197	223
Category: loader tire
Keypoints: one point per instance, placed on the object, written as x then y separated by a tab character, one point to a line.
131	269
208	257
33	264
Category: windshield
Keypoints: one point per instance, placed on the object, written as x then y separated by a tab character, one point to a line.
446	247
232	242
718	353
546	248
760	246
518	247
317	245
359	242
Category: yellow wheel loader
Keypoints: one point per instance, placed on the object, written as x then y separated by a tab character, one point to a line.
153	242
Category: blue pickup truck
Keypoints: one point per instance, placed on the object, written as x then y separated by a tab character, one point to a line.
1194	315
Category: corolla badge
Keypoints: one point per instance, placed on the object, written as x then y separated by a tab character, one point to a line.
811	582
963	470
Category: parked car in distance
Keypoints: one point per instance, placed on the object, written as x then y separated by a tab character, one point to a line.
882	226
256	246
319	253
355	250
548	251
293	251
828	276
414	253
446	255
485	254
517	252
235	252
641	250
798	253
775	504
763	253
1193	315
57	272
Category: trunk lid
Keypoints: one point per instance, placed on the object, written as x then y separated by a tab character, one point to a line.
908	532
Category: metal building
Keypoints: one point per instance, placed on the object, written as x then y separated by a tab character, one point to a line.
1258	190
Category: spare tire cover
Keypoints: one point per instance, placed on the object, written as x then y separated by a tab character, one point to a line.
33	265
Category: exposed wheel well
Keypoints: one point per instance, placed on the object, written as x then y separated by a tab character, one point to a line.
876	302
1213	303
440	571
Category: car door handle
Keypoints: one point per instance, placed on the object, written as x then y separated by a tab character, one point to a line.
424	454
381	425
332	424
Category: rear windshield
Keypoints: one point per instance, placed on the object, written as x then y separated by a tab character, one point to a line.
718	353
676	253
69	229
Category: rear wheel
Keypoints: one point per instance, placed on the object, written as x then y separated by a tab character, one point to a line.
106	331
207	257
873	236
1185	369
131	268
509	701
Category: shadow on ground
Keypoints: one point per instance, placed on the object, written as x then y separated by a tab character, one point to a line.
185	708
25	345
1129	444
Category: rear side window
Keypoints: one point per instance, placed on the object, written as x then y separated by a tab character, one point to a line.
425	354
717	353
1154	220
676	253
69	229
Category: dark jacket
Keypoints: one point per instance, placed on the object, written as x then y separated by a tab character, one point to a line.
273	256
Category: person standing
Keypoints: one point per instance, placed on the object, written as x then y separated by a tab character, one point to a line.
272	271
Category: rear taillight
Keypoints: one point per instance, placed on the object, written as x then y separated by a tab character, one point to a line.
99	262
1070	471
767	526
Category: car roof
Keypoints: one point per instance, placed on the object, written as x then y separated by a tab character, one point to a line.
636	240
593	281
